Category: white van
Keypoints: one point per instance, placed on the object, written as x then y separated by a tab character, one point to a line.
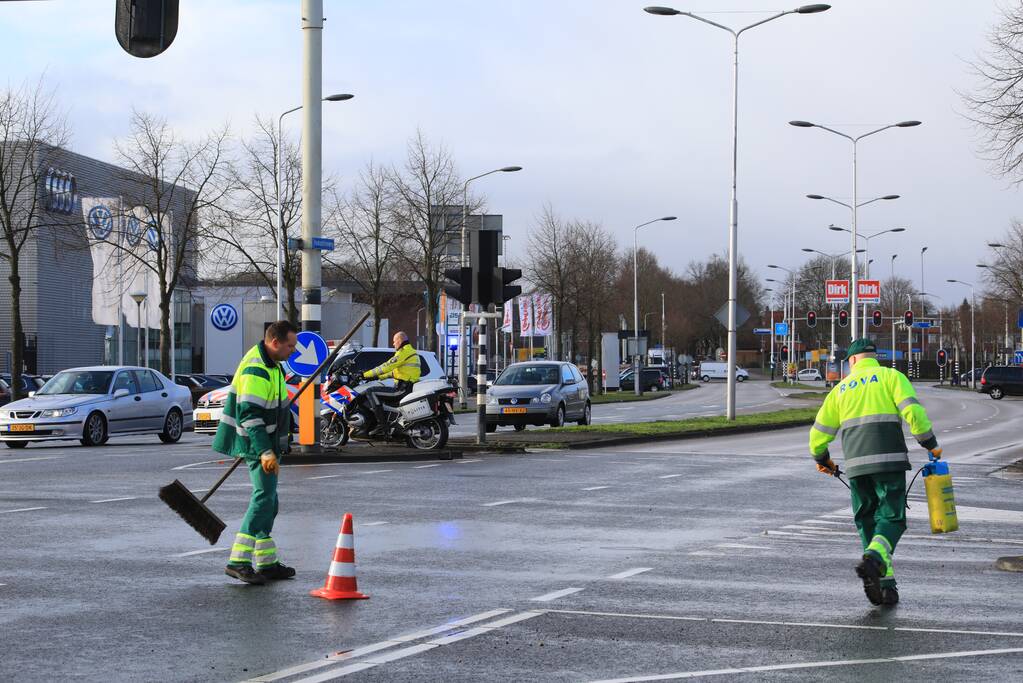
713	370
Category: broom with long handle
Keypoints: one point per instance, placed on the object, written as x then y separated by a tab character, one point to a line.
193	510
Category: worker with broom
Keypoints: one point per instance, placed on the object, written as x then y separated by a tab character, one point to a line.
869	405
255	426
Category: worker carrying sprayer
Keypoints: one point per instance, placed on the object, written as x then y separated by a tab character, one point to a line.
255	426
403	367
868	406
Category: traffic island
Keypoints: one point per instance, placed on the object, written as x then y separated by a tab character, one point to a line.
592	436
363	452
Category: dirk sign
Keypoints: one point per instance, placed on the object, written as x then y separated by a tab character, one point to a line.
836	291
869	291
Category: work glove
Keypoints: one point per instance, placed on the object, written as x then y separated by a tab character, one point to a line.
936	452
368	374
827	467
268	461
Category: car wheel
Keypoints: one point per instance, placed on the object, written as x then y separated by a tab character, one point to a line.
740	378
520	428
173	425
997	393
705	378
585	420
653	389
559	417
94	433
16	444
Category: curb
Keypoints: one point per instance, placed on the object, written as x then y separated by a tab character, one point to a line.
1011	563
371	454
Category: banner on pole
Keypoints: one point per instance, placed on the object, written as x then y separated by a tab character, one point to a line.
100	219
525	315
868	291
543	323
506	325
836	291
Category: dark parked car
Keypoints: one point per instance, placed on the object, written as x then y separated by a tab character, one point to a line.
650	379
198	385
5	393
28	383
998	381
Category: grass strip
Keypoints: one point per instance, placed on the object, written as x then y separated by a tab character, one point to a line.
779	418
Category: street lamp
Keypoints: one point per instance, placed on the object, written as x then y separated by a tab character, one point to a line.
635	295
463	368
733	270
138	298
973	331
1009	344
892	281
279	153
834	259
853	294
792	312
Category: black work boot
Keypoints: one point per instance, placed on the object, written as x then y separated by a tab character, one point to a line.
871	570
889	595
277	572
245	573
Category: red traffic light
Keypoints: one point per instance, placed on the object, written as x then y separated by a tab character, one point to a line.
907	318
877	318
843	318
942	358
811	318
785	352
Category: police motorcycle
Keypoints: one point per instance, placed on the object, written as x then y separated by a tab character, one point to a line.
420	419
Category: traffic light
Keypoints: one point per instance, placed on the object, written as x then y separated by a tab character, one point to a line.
145	28
785	352
811	318
483	258
942	358
503	287
877	318
907	318
462	287
843	318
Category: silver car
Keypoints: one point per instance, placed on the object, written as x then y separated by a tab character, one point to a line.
538	393
93	404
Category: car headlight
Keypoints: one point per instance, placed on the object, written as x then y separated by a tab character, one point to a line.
59	412
545	398
491	399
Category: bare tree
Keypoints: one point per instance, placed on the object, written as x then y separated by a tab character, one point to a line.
592	285
177	182
996	105
32	133
426	215
1004	273
368	241
550	266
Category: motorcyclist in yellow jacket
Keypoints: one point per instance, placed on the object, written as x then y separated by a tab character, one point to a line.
403	367
869	406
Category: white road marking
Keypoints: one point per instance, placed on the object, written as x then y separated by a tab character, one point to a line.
326	476
114	500
4	512
423	467
825	521
200	552
669	476
547	597
630	572
466	462
503	502
47	457
374	647
812	665
595	488
374	523
374	472
741	545
204	462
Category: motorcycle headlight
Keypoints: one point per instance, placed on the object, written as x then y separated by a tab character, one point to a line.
545	398
59	412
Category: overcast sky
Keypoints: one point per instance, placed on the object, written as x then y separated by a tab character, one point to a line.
617	116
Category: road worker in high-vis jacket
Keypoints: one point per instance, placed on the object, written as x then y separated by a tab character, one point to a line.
869	406
256	425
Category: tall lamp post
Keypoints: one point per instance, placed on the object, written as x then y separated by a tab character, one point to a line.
463	368
733	221
138	298
866	256
280	207
892	280
635	297
1009	343
853	293
792	321
973	331
771	327
834	275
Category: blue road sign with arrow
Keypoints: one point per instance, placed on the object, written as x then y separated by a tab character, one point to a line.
781	329
310	351
1018	357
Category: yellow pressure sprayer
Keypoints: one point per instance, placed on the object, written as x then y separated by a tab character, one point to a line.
941	502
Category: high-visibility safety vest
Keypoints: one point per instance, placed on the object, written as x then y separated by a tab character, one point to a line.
256	415
868	406
402	366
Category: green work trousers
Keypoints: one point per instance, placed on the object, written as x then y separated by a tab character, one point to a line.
879	509
259	518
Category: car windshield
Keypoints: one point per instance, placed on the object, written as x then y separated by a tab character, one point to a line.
523	375
78	382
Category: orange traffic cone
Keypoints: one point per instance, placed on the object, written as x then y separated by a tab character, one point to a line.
341	583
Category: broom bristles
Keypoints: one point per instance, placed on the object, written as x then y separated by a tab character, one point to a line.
192	510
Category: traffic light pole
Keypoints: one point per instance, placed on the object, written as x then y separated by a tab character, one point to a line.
481	370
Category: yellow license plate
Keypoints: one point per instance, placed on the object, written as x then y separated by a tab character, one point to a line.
202	416
23	428
513	411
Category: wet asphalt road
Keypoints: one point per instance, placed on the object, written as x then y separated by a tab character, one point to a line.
728	558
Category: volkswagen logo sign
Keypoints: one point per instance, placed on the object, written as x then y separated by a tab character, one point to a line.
153	237
134	230
224	317
60	190
101	222
514	401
